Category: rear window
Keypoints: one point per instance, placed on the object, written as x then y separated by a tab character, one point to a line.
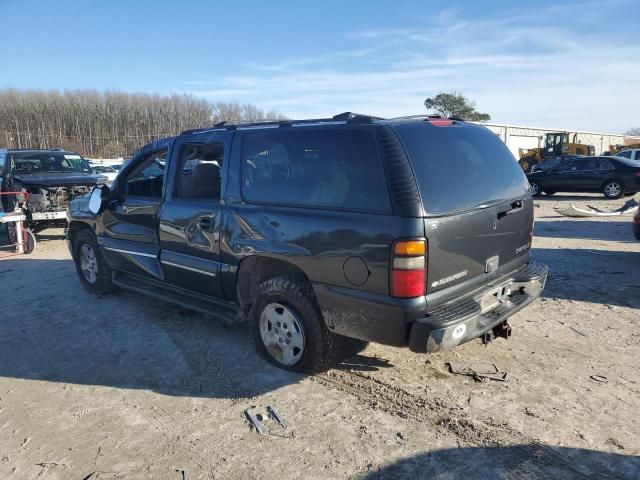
323	168
460	167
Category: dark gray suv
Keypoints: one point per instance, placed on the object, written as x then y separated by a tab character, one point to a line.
324	234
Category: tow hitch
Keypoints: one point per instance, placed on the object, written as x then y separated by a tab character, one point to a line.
503	330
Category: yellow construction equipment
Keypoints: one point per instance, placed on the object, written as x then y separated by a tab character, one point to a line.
613	149
555	144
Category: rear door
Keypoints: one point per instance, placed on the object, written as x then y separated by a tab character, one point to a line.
191	215
478	212
599	172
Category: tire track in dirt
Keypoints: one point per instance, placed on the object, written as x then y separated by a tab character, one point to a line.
449	418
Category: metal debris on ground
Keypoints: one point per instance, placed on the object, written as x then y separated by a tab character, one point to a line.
480	372
257	416
599	378
629	207
184	472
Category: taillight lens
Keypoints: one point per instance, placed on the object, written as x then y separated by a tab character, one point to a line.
440	122
409	269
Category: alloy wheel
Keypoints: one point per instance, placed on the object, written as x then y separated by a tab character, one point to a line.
612	189
88	263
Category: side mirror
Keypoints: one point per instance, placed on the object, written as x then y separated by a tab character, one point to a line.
98	199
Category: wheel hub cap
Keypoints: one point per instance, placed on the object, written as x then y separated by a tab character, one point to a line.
88	263
281	333
613	189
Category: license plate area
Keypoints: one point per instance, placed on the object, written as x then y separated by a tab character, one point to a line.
495	297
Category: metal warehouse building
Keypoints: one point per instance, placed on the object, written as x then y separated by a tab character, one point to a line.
517	137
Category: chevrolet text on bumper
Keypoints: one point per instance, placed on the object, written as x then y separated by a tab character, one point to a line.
458	322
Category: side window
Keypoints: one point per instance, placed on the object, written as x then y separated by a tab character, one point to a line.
199	171
146	180
315	168
586	165
603	164
2	159
567	167
637	156
625	154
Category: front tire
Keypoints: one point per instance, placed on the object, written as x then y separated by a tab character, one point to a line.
613	189
287	326
535	189
92	268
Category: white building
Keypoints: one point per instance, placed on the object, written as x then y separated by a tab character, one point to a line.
517	137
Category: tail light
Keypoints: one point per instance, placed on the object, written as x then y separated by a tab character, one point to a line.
440	122
637	173
409	269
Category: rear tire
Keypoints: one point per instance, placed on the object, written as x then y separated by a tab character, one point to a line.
613	189
288	328
93	270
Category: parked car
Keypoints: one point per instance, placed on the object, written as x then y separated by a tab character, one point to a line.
552	162
636	224
51	177
105	170
613	176
323	234
631	154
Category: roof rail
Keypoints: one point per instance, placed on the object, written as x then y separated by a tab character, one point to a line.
427	115
359	117
349	117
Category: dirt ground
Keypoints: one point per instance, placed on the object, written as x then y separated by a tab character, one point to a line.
126	387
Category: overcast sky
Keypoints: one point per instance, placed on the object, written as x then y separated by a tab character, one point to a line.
573	65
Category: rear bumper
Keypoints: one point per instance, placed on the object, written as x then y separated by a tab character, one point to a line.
458	322
401	322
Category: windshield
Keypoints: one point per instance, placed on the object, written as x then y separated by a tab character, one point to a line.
460	167
47	162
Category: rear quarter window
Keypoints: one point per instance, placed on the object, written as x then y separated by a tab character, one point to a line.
320	168
460	166
3	157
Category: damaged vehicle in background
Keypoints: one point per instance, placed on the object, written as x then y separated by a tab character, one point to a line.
52	178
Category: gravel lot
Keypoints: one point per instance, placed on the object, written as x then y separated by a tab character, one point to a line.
128	387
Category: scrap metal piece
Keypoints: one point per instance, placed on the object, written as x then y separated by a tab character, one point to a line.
480	368
273	413
184	472
255	419
480	372
258	415
572	211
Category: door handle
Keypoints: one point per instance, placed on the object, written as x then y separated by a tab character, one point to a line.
207	224
514	207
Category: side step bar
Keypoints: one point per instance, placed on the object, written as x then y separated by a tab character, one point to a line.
226	312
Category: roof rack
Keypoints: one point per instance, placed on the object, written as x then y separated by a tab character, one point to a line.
348	117
427	115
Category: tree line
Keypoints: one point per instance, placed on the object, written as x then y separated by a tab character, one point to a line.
108	124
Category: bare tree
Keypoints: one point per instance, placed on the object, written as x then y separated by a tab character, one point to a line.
110	123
